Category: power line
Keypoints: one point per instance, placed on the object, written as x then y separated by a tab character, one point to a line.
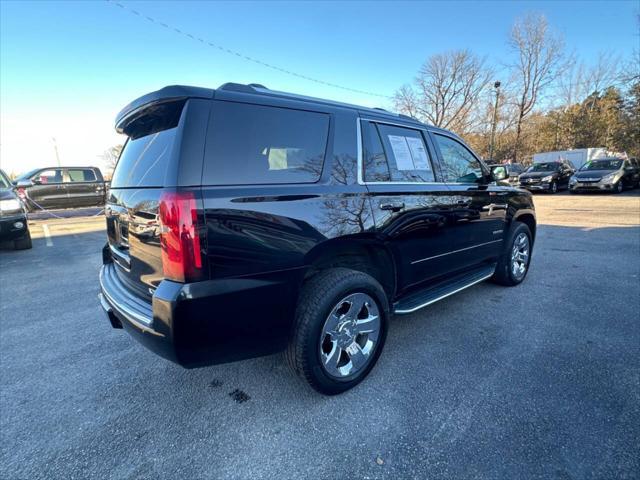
241	55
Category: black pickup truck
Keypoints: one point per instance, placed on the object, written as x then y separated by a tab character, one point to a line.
61	187
244	221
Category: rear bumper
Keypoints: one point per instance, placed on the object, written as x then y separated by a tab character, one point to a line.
13	227
134	314
205	323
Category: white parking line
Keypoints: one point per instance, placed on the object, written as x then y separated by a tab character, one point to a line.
47	235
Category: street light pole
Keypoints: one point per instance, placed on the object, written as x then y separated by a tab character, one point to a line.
55	148
495	120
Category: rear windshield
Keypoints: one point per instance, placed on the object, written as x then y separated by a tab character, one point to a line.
143	161
146	155
254	144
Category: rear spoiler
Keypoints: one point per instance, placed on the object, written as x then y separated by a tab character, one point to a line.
166	94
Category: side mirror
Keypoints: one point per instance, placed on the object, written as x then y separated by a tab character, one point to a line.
498	173
24	183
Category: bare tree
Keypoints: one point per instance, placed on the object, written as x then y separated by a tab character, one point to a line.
110	157
539	62
446	91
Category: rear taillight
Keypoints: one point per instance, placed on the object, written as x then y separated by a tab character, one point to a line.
180	237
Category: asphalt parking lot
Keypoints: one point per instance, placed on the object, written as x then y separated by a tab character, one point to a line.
537	381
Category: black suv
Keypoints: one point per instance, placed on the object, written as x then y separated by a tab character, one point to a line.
547	176
62	187
244	221
13	218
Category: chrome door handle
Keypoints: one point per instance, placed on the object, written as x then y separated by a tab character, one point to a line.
395	207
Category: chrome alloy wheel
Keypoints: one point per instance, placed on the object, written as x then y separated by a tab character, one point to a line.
520	256
350	335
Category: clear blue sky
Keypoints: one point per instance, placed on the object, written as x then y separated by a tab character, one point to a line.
73	65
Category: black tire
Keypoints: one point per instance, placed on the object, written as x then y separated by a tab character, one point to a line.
618	187
319	295
553	187
504	274
23	243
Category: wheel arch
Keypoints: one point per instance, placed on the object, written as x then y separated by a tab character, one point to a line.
529	219
364	255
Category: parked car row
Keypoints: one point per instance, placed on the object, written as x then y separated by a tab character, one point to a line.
42	189
604	174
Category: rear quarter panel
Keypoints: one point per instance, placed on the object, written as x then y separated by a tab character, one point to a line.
261	237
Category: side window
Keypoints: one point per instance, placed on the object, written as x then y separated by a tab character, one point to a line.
458	163
375	165
254	144
49	176
81	175
407	155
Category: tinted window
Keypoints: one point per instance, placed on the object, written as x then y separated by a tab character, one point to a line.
458	163
252	144
608	164
81	175
375	161
143	161
407	156
544	167
4	181
49	176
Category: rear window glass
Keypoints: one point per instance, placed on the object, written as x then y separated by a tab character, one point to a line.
408	157
143	161
253	144
81	175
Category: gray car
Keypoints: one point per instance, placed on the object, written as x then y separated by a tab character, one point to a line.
605	174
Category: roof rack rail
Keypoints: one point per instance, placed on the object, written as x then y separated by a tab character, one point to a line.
239	87
258	85
378	108
408	116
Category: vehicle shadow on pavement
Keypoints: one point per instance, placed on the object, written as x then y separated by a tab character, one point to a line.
538	380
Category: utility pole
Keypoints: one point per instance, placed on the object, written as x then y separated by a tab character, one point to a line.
55	148
495	120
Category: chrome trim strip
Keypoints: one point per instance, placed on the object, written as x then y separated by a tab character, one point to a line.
120	258
140	321
133	317
455	251
411	310
359	160
412	126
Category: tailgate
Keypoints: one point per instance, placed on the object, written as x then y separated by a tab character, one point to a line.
144	170
133	230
